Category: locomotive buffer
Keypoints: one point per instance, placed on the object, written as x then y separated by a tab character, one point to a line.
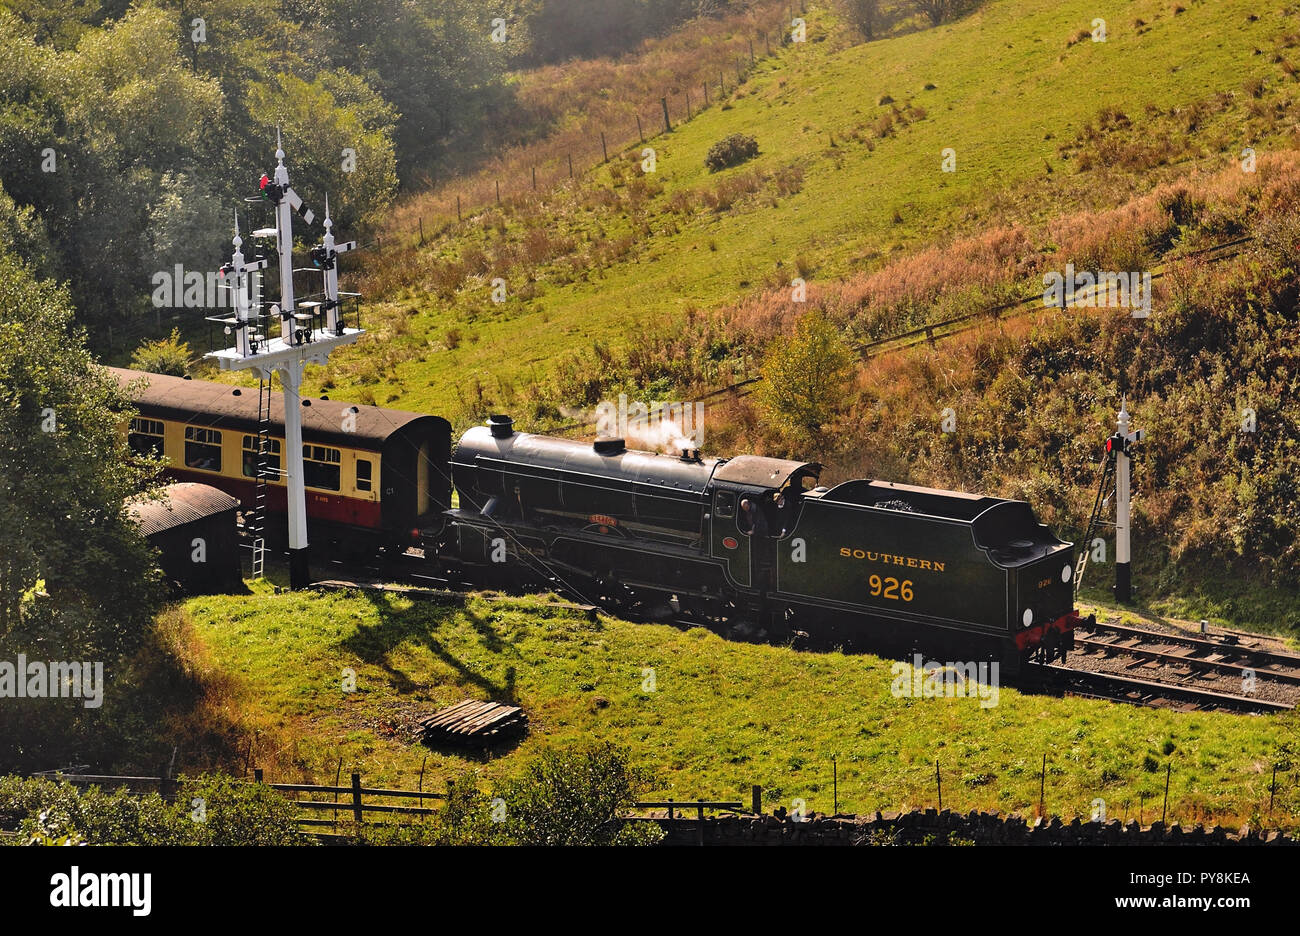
305	337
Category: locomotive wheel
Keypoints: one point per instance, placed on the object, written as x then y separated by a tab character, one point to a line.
613	595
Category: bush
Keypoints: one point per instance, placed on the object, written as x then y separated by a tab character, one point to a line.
167	355
732	151
577	796
218	810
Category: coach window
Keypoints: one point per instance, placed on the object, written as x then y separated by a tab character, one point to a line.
202	448
726	504
363	475
272	458
321	467
145	437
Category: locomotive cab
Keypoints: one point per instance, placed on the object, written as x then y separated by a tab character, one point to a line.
756	503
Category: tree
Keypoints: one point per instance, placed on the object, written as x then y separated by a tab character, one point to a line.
863	14
316	131
804	378
64	476
937	10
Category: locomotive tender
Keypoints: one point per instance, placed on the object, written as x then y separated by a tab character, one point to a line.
748	540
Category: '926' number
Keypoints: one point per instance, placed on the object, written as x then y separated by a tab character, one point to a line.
891	588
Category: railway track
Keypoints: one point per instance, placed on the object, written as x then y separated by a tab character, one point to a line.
1225	654
1069	681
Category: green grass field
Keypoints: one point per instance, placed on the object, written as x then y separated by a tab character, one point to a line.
718	716
1005	88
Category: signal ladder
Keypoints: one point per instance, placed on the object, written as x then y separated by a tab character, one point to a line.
1094	522
256	525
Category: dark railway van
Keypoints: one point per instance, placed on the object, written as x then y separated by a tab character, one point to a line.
375	477
195	530
751	539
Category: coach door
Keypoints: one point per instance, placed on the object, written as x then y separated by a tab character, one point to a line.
423	502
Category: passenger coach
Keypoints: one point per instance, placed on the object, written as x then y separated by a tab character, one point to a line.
374	476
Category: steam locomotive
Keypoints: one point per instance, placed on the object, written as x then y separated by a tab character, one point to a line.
744	542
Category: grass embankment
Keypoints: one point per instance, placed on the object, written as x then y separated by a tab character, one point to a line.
843	183
721	715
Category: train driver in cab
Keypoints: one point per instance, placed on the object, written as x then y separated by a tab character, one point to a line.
752	520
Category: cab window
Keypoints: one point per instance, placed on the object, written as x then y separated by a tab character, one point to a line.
726	504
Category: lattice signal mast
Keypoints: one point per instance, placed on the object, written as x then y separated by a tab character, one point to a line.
303	333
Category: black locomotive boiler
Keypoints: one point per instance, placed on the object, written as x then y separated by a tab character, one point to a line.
753	540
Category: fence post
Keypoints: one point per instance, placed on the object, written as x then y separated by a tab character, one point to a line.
458	218
421	232
570	165
498	192
758	800
668	127
257	774
751	51
706	94
639	131
1042	786
688	105
670	816
534	178
603	148
835	786
1164	810
767	43
1272	790
701	820
164	784
356	796
938	782
722	85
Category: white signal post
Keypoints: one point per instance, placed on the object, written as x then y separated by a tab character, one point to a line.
327	258
300	343
241	272
1123	472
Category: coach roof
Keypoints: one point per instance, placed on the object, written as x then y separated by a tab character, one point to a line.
222	406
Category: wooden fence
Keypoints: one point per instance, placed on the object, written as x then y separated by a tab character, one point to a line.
351	801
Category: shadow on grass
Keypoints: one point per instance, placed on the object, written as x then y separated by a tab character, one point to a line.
375	644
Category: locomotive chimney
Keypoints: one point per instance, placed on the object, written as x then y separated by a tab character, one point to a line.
501	427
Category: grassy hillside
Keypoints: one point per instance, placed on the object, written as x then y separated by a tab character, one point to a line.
843	183
720	715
